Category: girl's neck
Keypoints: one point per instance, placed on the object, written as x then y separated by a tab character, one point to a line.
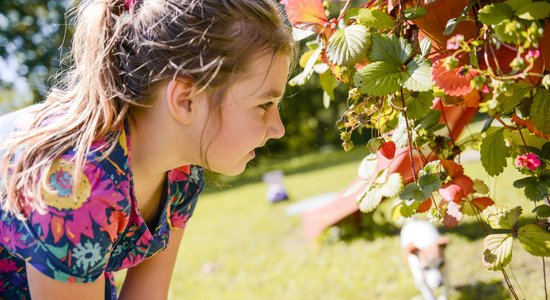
149	161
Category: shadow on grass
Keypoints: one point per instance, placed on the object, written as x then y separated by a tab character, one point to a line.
360	226
473	230
482	291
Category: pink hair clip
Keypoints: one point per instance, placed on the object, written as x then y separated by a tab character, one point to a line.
129	4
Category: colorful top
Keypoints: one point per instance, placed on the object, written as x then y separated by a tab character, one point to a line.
95	228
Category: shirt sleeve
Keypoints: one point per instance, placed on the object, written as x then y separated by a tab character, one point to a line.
73	239
186	184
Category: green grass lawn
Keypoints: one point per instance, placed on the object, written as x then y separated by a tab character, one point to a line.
239	246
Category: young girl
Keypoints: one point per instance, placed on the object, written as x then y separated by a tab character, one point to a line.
105	174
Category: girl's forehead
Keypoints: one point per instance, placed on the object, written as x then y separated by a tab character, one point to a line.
266	64
266	75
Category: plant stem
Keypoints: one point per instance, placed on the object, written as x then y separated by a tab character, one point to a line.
544	277
408	137
522	138
446	123
368	4
506	125
344	10
510	287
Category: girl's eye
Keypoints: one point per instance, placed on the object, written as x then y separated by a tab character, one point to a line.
266	106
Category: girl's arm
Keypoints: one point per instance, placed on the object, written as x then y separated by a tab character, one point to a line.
44	287
151	278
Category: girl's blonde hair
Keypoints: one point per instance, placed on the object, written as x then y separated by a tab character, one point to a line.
119	58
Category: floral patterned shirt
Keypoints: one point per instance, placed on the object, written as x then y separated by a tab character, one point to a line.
95	228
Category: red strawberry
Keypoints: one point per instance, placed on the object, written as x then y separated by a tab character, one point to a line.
388	149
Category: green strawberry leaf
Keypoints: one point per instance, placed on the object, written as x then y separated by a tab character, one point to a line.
508	100
369	200
390	49
497	251
546	150
542	211
430	121
425	47
348	46
374	18
534	240
450	26
414	12
378	79
517	4
499	217
391	186
534	11
367	167
428	184
533	188
412	192
418	107
408	208
480	187
523	182
432	167
384	187
495	13
494	151
418	75
540	110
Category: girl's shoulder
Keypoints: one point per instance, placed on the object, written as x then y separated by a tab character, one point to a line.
104	166
82	218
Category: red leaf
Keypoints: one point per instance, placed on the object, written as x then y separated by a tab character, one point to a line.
457	188
451	192
453	215
306	14
482	203
424	206
452	168
466	183
455	82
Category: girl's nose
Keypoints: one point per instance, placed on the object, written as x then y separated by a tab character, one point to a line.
276	128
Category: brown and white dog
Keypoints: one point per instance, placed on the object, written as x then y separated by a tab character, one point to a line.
423	248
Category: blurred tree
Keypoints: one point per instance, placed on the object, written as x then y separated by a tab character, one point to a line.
10	100
33	33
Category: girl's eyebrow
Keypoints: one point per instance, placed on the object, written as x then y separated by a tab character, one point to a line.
270	94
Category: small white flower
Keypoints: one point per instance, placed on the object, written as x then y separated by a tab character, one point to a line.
87	255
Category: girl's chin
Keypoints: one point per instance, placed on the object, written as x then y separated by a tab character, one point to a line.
236	170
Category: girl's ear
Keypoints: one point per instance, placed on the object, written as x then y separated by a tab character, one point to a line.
181	99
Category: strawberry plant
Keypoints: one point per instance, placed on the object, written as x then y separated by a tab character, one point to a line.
418	70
